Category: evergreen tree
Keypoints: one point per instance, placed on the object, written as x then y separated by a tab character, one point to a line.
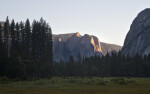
7	36
21	27
31	50
27	38
16	46
13	37
42	48
79	58
79	67
3	56
1	33
49	50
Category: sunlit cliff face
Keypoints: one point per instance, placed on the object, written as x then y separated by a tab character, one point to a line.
59	40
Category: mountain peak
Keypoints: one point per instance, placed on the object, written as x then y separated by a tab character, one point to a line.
146	9
143	15
78	34
137	39
72	44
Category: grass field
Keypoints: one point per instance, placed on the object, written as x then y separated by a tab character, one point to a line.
78	85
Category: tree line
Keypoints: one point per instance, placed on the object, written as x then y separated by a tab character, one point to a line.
111	65
25	49
26	53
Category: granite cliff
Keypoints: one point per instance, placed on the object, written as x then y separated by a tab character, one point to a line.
65	45
138	37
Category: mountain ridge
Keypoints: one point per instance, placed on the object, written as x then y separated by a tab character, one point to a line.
74	43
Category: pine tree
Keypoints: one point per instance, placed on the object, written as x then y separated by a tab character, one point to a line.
71	67
79	58
13	37
17	38
7	36
49	48
3	56
27	38
0	33
42	48
79	64
21	27
27	46
21	39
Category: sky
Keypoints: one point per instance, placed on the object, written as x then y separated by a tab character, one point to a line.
109	20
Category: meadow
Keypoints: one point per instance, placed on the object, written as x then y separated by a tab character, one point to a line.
77	85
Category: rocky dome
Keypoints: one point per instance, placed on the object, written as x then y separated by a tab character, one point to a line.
138	37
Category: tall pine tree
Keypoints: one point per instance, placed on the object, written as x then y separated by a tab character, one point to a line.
7	36
13	37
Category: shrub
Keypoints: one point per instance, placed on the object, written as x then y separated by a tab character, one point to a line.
17	79
0	79
53	81
72	81
120	81
90	77
4	80
101	82
131	81
85	82
63	77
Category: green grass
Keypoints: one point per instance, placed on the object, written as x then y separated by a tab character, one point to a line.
78	85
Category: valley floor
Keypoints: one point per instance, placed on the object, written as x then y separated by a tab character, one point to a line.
78	85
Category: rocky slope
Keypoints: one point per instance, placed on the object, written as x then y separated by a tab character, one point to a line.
65	45
109	48
138	37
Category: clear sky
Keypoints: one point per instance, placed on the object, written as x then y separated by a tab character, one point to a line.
109	20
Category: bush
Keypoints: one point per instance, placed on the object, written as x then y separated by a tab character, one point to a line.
90	77
53	81
123	81
85	82
72	81
101	82
128	77
63	77
4	80
0	79
120	81
115	80
17	79
131	81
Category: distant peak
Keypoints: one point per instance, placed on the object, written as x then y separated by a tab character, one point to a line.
143	16
78	34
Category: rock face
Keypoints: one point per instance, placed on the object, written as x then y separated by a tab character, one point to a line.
72	44
2	23
110	48
65	45
138	37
